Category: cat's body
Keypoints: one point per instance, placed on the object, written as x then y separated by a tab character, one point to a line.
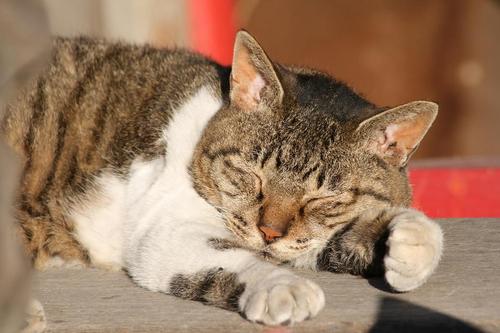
198	182
98	107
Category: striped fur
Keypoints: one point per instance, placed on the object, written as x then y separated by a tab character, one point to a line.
214	287
168	165
97	107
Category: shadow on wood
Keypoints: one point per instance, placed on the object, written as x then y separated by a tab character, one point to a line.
395	315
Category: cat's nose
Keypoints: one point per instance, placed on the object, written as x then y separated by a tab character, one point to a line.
270	234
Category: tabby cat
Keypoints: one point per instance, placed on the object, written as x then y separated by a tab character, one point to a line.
203	181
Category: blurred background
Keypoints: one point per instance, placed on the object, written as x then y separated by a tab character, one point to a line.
390	51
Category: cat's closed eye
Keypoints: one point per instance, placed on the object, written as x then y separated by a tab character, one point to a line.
326	207
234	178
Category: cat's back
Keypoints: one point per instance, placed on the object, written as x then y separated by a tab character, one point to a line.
101	94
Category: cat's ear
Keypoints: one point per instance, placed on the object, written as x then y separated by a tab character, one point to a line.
254	82
395	134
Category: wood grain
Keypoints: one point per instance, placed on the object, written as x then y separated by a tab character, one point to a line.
462	296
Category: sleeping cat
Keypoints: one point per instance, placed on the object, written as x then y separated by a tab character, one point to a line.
204	182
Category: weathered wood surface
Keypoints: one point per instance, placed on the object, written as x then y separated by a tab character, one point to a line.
462	296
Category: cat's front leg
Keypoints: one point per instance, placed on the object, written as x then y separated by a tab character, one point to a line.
401	243
197	262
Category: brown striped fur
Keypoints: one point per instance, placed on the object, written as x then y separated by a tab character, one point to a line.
97	106
215	287
303	154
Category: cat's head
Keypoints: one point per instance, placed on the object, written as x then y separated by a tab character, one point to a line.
296	155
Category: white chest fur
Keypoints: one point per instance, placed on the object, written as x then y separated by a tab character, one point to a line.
156	192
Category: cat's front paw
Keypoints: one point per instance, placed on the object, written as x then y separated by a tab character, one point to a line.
414	248
282	300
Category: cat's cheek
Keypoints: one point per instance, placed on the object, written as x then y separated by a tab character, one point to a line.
248	235
255	241
307	260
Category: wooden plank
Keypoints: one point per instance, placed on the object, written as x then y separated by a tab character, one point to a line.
462	296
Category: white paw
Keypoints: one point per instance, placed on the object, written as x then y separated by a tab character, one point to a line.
414	248
282	300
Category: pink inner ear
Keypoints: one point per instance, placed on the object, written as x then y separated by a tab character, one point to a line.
395	133
400	139
246	80
390	144
256	86
391	136
406	134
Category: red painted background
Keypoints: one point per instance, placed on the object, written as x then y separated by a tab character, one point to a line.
213	28
457	192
